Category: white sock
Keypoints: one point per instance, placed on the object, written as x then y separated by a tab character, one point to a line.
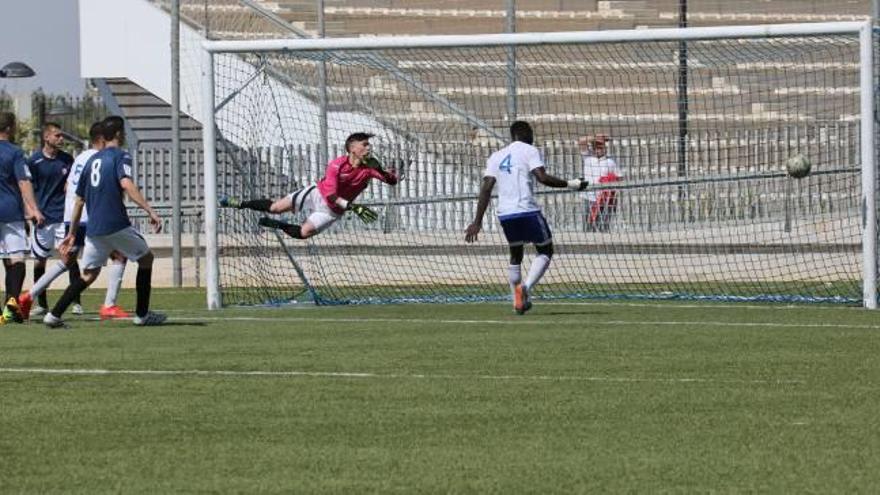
536	271
43	283
114	282
514	276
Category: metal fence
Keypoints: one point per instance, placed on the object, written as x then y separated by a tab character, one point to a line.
450	173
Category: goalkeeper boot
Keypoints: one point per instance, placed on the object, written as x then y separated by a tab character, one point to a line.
229	202
288	228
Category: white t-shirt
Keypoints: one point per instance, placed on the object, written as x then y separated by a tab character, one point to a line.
79	163
512	167
595	168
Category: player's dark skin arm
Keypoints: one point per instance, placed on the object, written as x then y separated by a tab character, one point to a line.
482	204
548	180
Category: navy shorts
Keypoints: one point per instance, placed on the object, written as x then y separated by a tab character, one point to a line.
526	228
80	240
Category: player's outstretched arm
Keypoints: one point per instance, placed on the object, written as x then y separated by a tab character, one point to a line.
135	194
387	176
470	234
551	181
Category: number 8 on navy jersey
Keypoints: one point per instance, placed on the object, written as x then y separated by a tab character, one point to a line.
96	172
103	195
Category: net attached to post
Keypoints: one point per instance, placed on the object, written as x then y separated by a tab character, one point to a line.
705	208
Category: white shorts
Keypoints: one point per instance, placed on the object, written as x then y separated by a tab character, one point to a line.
46	238
127	241
309	199
13	239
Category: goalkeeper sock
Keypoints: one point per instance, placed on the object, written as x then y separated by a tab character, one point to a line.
290	229
536	271
263	204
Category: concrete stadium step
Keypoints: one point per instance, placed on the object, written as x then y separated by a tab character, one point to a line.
149	116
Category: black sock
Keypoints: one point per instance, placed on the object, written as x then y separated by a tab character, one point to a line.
143	283
73	275
257	204
294	231
290	229
73	290
15	273
39	271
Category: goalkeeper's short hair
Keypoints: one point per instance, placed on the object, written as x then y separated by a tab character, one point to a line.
357	136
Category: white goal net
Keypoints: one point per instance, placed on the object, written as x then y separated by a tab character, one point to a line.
700	122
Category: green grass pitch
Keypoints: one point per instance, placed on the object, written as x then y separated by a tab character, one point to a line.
573	397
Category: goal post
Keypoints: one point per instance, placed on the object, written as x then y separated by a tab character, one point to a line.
717	218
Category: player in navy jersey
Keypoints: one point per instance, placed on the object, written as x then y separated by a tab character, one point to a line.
513	169
49	168
102	187
110	310
17	203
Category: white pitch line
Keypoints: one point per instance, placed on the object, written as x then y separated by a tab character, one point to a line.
396	376
522	321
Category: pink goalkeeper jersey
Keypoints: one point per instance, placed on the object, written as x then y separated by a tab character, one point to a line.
346	182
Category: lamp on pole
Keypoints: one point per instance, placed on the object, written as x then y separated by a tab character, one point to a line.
16	69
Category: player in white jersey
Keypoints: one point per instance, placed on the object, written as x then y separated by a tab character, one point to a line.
512	169
69	263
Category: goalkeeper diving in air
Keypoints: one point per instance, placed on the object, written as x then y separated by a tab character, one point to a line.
512	169
346	177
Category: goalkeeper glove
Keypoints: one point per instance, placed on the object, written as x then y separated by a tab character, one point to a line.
578	184
365	214
371	161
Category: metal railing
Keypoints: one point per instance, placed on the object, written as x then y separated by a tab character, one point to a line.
450	172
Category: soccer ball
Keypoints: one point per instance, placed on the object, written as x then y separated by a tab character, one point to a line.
798	166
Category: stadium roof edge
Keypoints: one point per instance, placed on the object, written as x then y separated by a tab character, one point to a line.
610	36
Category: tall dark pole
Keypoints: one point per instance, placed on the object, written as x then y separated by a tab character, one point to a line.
511	64
682	104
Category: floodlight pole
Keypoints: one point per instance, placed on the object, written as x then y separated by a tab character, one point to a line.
176	189
511	64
